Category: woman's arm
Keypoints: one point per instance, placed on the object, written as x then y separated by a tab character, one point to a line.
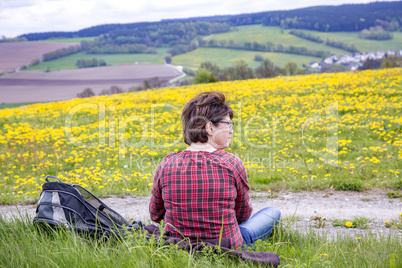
243	206
156	206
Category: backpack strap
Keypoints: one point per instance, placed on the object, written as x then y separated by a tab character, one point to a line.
52	177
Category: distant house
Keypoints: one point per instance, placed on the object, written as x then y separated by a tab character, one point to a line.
314	65
331	59
379	55
354	67
355	61
391	52
371	56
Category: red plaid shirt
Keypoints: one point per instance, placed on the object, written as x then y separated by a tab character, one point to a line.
199	192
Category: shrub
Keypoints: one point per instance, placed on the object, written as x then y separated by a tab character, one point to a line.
258	58
204	76
86	93
112	90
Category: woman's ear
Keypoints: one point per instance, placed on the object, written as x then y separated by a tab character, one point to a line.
209	127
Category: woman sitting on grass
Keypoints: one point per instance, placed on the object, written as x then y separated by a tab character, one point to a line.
202	192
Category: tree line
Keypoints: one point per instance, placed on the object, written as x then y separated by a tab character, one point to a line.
354	17
264	47
61	52
307	36
375	33
341	45
145	39
328	42
209	72
86	63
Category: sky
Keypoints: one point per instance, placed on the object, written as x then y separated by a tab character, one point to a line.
31	16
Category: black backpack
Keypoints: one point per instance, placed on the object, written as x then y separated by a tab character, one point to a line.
73	207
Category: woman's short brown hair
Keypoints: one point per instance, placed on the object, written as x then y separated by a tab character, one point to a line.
206	107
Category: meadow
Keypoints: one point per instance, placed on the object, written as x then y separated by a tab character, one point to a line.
276	35
341	131
68	62
363	45
228	58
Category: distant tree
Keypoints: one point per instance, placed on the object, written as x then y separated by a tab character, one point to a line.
168	58
34	62
242	71
147	85
213	68
391	62
291	68
115	90
86	93
258	58
112	90
204	76
266	69
153	82
371	64
102	62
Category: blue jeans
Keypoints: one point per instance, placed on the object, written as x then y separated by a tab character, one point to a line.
260	225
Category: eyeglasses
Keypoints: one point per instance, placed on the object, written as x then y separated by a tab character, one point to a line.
230	123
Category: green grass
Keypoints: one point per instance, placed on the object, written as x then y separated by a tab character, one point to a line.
14	105
68	62
264	34
228	57
363	45
23	245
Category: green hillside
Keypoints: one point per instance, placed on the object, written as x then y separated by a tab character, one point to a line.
363	45
68	62
227	57
276	35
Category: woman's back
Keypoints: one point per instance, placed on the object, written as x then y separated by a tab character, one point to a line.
199	193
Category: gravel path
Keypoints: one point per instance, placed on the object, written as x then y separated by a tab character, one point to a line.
300	206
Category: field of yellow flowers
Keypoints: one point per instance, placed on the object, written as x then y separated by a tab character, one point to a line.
309	132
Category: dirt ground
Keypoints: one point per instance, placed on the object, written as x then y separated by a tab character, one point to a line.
37	86
14	55
300	206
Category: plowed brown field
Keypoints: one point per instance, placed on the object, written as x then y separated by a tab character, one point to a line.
37	86
16	54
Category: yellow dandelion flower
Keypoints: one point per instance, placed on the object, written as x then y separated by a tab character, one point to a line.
348	224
